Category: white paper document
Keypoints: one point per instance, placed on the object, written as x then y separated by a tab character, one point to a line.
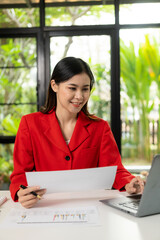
18	217
63	215
73	180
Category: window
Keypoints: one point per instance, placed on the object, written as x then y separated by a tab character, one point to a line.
139	70
79	15
119	41
19	17
18	81
139	13
140	94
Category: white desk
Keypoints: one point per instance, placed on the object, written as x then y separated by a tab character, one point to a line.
114	224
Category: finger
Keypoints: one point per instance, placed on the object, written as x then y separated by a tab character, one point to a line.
41	192
132	182
27	191
30	203
23	198
137	180
140	181
137	188
29	199
138	185
26	198
132	190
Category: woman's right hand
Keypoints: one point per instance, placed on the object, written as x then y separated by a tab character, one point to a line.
27	199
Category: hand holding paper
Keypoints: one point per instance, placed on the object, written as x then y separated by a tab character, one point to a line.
73	180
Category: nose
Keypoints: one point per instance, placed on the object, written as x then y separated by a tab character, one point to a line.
79	94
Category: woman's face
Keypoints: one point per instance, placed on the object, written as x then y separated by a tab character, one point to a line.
73	94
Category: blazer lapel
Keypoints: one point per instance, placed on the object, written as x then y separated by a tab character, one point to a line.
53	132
80	133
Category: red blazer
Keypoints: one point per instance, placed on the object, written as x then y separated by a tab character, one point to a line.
40	146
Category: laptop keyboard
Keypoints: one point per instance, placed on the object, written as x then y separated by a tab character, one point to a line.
132	204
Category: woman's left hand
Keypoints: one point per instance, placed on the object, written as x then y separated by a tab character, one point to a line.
136	185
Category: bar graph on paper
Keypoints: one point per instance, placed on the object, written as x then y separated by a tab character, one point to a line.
64	215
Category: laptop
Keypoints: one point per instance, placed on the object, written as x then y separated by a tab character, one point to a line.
145	204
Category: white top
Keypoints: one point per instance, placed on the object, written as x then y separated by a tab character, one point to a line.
67	141
113	224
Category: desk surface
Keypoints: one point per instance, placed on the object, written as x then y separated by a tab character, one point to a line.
113	224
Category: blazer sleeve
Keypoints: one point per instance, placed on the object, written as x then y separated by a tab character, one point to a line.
110	156
22	158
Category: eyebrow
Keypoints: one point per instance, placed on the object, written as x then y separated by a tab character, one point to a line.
75	85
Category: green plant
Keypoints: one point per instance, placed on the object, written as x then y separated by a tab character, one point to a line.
100	103
10	125
6	168
137	83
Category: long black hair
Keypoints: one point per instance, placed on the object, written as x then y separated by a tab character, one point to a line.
63	71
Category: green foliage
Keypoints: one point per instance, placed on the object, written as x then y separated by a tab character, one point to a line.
6	168
10	125
98	10
6	162
137	76
19	17
152	52
17	81
100	106
69	15
53	14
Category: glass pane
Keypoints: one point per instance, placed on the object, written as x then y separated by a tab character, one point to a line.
21	88
18	81
18	1
72	1
10	116
79	15
6	165
99	61
139	13
140	95
19	17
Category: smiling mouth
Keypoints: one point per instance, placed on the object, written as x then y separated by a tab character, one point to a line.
76	104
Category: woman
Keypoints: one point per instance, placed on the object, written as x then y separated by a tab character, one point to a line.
64	135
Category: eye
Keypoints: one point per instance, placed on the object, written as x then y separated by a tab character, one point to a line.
72	88
85	89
